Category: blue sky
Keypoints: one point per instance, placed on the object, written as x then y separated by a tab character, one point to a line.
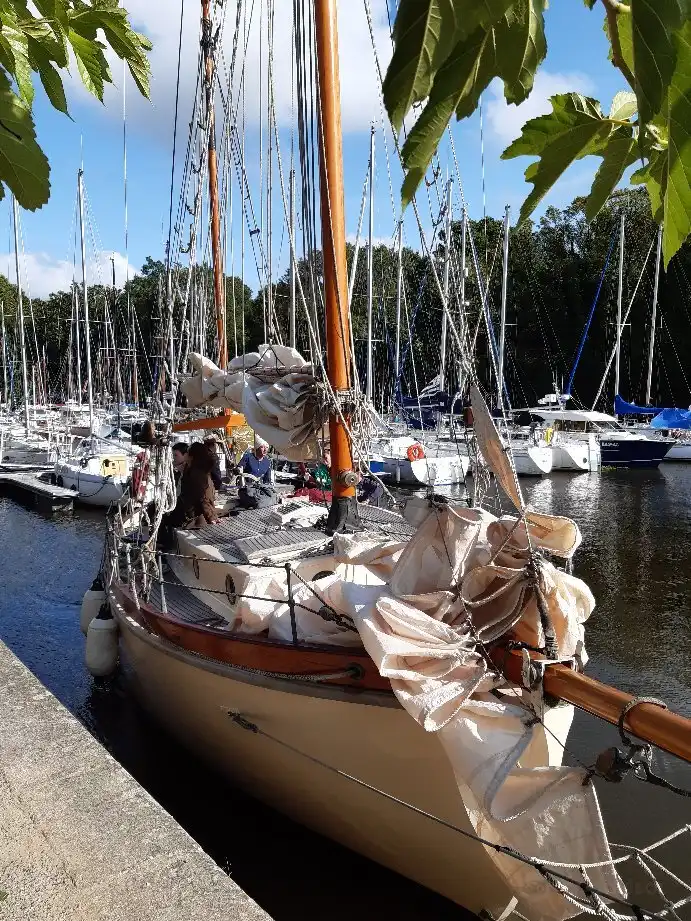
577	59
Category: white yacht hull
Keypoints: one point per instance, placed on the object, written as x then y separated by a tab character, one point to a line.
92	488
578	456
363	733
532	460
436	471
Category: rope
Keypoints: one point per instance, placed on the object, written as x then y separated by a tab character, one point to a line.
586	328
546	869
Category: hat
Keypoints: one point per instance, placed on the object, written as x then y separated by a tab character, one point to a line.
260	443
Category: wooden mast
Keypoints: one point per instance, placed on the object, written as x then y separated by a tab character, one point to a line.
209	74
343	511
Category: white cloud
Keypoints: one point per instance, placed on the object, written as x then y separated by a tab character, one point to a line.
43	274
160	21
506	121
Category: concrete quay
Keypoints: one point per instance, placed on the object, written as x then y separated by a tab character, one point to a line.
80	839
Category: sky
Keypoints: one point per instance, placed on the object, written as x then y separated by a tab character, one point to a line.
576	60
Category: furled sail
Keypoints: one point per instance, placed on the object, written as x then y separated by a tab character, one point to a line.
273	387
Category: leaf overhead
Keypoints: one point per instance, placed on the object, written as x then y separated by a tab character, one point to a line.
653	25
676	190
619	153
91	63
424	34
624	106
457	88
574	129
31	45
511	49
23	165
524	50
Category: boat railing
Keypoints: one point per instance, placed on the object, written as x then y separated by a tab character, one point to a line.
148	575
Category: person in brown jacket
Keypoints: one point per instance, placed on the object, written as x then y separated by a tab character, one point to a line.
196	503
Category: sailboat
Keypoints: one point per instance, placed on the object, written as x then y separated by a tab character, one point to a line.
97	470
360	675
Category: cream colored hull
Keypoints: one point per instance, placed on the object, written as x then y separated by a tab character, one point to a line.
362	733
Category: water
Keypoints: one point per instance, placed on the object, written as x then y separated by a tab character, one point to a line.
636	556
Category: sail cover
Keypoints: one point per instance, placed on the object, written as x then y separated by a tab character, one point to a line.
273	387
622	408
672	419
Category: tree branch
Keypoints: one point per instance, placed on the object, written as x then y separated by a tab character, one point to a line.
612	9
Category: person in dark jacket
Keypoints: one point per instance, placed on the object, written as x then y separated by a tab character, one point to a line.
216	476
196	503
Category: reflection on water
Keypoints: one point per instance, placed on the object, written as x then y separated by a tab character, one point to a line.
636	557
289	871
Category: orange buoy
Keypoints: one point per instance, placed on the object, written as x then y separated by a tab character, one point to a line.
415	452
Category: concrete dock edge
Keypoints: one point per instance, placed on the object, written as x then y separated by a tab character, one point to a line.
80	838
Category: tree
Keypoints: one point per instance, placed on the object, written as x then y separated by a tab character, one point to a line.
446	53
37	39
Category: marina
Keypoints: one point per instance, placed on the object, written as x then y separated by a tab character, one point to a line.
344	525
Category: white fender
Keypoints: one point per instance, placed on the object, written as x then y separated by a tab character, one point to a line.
102	646
91	605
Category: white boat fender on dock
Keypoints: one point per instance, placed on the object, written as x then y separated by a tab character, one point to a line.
91	603
102	644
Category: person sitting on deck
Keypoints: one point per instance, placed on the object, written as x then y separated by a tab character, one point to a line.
319	476
257	462
196	503
315	483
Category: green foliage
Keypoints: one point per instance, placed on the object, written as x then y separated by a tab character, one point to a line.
554	270
575	128
447	53
40	45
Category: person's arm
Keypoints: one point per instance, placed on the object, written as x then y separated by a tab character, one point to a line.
266	476
216	477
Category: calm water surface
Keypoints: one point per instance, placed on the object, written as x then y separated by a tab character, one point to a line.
636	557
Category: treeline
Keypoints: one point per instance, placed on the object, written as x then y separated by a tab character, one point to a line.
555	269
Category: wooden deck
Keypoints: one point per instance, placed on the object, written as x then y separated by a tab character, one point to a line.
38	492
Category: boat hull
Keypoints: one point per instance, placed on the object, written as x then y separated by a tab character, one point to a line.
91	488
681	451
437	471
532	460
365	734
633	452
573	456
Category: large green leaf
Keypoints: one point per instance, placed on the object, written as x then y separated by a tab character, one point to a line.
575	128
124	41
424	34
23	165
524	49
511	49
620	152
677	191
654	24
16	44
457	88
41	61
91	62
654	176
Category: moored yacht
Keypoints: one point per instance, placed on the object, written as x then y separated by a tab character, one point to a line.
618	447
